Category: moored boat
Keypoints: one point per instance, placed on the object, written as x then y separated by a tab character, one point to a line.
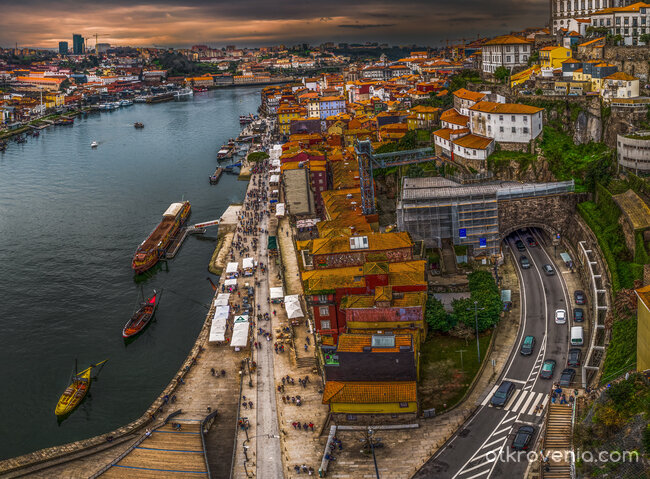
137	124
156	244
214	179
76	391
94	144
141	317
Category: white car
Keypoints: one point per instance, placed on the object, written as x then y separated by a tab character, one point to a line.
560	316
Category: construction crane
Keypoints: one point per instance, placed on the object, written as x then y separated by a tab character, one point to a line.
97	35
368	161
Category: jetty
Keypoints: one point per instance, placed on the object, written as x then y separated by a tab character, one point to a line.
214	179
180	236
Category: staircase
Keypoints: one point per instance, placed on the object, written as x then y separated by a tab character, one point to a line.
558	437
306	362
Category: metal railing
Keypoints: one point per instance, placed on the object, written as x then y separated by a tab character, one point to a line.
535	189
205	426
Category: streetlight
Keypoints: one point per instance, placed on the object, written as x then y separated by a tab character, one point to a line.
478	346
372	448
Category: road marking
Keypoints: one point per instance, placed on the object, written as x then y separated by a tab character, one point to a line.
479	474
522	396
531	396
543	405
508	419
512	400
501	431
535	403
493	442
528	423
518	381
489	396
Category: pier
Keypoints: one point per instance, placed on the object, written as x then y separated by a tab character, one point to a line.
177	242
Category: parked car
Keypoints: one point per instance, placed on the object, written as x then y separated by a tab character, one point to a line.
531	242
520	245
579	297
578	315
523	260
523	438
547	369
548	270
574	357
528	345
503	394
567	377
560	316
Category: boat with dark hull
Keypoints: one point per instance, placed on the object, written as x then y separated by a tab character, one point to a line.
142	317
155	246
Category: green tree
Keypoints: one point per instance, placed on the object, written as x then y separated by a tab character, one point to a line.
596	31
645	38
436	316
485	292
501	74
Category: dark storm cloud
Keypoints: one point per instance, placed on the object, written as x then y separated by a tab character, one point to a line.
250	22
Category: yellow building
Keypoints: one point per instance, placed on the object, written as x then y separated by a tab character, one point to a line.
286	113
54	99
524	76
551	58
370	397
643	329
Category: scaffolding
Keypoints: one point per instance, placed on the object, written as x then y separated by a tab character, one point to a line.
436	209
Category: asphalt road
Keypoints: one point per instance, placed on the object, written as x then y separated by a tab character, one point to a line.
478	449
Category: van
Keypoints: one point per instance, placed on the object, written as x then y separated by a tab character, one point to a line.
577	334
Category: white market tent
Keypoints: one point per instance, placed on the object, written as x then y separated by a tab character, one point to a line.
222	299
279	209
276	163
248	263
276	293
240	332
274	179
218	326
292	305
232	267
275	171
230	282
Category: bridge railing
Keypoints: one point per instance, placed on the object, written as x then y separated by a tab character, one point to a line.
536	189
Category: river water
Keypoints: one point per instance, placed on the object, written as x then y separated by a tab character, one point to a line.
70	220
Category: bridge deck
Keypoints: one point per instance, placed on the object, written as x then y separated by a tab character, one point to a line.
166	453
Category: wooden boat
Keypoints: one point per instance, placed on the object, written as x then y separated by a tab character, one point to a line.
214	179
141	317
76	391
137	124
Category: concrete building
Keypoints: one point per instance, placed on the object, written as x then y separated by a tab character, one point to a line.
63	48
506	51
78	47
564	11
634	152
629	21
506	122
620	85
643	329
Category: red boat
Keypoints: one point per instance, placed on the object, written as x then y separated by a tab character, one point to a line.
141	317
200	89
155	246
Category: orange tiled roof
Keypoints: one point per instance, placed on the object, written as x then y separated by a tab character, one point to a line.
464	94
507	40
507	108
354	343
590	42
473	141
370	392
620	76
452	116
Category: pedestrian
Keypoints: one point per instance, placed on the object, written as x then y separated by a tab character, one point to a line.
311	426
250	404
306	347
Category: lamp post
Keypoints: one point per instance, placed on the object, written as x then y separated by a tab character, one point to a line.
371	432
250	378
478	346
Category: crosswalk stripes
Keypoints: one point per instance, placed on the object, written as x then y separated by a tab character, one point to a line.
523	402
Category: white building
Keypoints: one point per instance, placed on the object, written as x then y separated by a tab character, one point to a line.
620	85
563	11
630	21
465	99
506	122
506	51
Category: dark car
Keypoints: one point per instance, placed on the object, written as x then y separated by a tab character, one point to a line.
531	242
522	439
579	297
548	270
520	245
528	345
578	315
503	394
574	357
547	369
523	260
567	377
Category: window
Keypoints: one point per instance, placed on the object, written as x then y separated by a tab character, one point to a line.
508	59
500	129
512	118
489	117
500	117
382	341
514	130
323	298
324	311
403	404
325	324
359	242
525	119
525	129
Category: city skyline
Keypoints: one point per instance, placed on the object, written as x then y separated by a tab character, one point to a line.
253	23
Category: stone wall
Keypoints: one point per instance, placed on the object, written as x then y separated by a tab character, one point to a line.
374	419
633	60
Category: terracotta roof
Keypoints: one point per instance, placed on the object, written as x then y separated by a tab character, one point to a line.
506	108
473	141
507	40
469	95
370	392
635	7
452	116
590	42
620	76
354	343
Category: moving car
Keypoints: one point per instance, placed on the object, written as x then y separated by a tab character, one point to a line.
520	245
531	242
523	260
560	316
567	377
548	270
578	315
522	439
503	394
547	369
579	297
574	357
528	345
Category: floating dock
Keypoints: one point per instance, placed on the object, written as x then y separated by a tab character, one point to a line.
180	236
214	179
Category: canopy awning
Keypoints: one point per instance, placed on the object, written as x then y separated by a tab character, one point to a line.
292	306
218	326
276	293
506	295
222	299
230	282
565	257
232	267
240	332
279	209
274	179
248	263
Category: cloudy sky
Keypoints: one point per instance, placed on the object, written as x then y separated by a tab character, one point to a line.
180	23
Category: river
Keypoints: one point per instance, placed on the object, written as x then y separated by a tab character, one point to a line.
70	220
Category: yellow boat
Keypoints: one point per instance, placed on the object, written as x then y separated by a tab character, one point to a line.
76	391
